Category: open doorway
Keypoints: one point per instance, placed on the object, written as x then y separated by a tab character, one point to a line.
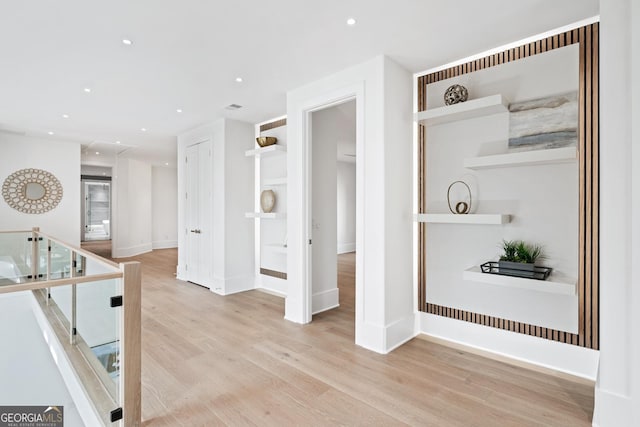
96	198
333	211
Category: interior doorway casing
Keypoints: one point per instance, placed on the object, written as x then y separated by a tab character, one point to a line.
354	92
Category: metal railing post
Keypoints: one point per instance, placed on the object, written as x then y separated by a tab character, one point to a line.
72	323
34	253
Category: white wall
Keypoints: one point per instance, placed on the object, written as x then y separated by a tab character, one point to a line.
62	159
384	190
132	228
324	267
164	206
346	207
618	387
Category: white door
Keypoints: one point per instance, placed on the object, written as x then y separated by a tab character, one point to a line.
198	213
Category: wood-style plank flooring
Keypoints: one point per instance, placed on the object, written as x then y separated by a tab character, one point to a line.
210	360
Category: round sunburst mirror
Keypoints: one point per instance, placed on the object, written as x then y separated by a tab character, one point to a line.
32	191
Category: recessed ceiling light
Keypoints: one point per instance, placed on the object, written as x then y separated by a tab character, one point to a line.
166	163
128	42
104	174
239	79
143	129
117	142
50	133
351	21
65	116
178	110
97	153
87	89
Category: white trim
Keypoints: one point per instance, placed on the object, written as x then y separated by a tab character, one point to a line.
232	285
339	96
612	409
517	43
325	300
164	244
132	250
344	248
570	359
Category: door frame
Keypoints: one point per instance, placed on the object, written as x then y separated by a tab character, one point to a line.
328	100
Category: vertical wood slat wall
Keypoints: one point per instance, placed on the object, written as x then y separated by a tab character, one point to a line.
588	205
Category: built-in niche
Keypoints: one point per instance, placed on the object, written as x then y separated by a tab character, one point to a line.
547	196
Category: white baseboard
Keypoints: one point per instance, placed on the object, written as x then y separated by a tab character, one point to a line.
325	300
132	250
232	285
612	409
81	399
570	359
384	339
272	284
164	244
399	332
272	292
344	248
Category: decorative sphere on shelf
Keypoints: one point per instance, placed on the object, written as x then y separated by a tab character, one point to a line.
455	94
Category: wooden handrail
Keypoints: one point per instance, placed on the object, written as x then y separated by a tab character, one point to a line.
81	251
42	284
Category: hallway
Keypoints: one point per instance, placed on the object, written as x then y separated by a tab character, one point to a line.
212	360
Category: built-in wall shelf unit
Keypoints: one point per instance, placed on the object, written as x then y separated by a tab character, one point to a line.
525	158
265	215
274	182
489	219
266	151
556	284
276	247
480	107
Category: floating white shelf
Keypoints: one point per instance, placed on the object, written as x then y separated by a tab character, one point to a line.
273	182
555	283
463	219
464	110
276	247
266	151
270	215
526	158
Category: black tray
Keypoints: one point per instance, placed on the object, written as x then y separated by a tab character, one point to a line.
538	273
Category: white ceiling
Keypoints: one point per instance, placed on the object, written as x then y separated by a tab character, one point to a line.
186	54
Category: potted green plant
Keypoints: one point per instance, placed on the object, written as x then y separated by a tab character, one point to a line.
519	255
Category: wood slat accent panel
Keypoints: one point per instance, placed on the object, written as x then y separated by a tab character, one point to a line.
273	125
273	273
588	204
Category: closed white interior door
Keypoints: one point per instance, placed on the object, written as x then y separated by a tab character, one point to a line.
198	214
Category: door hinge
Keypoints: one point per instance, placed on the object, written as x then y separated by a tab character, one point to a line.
116	301
116	415
74	264
309	241
30	239
186	195
74	331
186	160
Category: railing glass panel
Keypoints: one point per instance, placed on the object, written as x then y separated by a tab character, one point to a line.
15	258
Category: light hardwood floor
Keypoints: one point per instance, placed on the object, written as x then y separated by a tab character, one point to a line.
211	360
